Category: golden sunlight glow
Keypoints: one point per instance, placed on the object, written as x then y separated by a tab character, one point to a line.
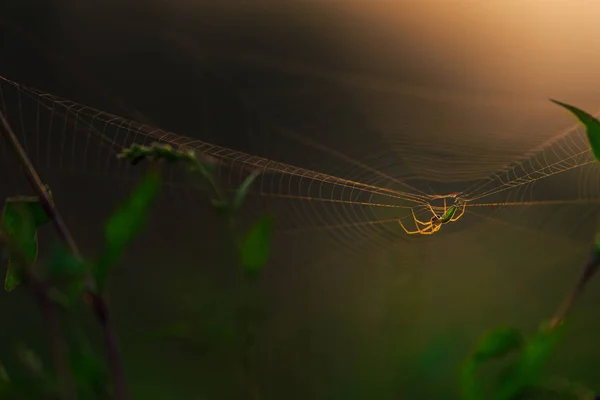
506	45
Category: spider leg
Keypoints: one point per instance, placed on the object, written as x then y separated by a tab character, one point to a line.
432	210
462	211
417	219
424	231
431	231
429	227
419	230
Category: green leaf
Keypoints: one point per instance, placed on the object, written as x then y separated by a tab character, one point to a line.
591	124
495	344
21	217
242	191
11	280
526	371
255	248
126	223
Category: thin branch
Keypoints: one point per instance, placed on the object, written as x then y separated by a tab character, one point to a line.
95	300
38	186
567	305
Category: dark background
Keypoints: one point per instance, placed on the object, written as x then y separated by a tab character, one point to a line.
435	94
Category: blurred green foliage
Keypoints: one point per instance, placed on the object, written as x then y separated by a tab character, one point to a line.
21	218
125	224
64	275
256	244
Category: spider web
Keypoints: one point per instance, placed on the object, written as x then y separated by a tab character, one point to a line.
62	135
357	203
558	179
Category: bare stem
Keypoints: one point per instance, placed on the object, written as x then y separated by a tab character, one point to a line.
58	346
38	186
111	342
567	305
98	303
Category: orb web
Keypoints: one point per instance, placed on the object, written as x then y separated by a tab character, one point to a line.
63	135
356	201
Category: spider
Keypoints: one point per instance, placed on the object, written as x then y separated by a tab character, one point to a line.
436	222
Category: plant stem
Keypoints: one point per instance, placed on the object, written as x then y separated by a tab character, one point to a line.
98	303
49	310
565	307
112	345
57	344
38	186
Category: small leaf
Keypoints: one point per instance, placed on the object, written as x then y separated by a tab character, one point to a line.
255	249
11	280
497	343
591	124
526	371
240	194
21	217
126	223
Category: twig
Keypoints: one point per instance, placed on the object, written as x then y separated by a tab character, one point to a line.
38	186
111	341
567	305
57	344
97	301
58	347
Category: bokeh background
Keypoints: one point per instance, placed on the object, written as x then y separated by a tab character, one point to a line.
427	97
